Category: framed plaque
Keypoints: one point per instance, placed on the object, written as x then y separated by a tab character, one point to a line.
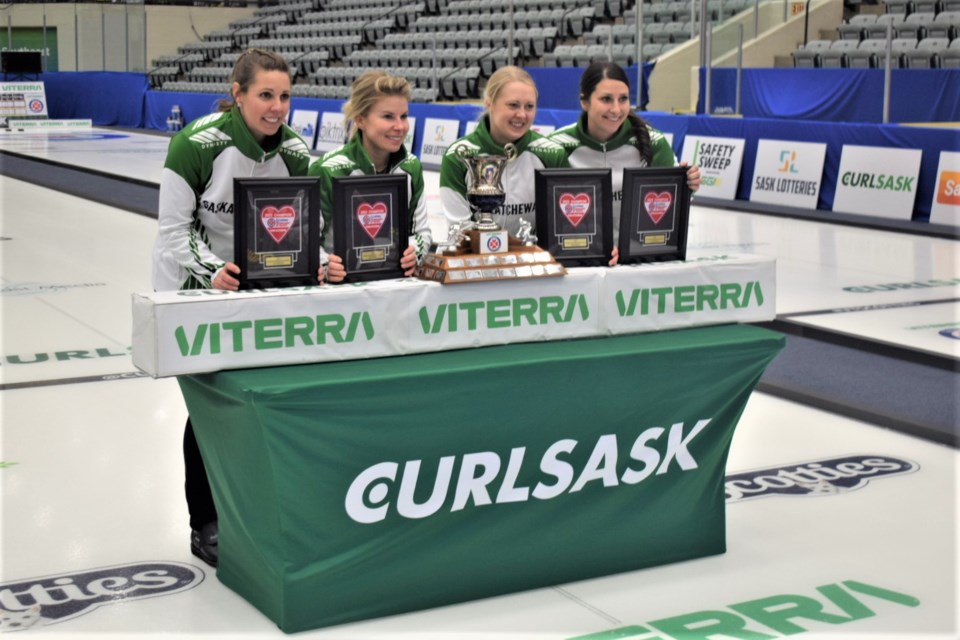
575	216
371	225
276	239
654	215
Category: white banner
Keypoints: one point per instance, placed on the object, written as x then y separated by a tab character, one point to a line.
408	140
438	134
945	208
719	160
23	100
877	181
304	122
788	173
332	133
185	332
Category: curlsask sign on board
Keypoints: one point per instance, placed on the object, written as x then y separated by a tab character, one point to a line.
877	181
788	173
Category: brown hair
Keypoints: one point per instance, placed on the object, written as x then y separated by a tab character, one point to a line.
245	70
611	71
367	89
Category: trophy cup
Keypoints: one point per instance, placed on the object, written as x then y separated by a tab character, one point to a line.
485	195
479	250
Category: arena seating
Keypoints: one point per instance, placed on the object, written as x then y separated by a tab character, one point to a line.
922	33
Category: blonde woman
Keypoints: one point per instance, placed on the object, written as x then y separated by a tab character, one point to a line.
377	113
510	102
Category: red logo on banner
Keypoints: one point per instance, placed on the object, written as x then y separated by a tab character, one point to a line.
278	222
575	207
372	217
657	205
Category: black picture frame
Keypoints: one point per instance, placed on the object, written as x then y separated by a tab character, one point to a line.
654	215
371	225
575	215
276	239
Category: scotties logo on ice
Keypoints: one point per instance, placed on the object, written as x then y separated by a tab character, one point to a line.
41	601
818	478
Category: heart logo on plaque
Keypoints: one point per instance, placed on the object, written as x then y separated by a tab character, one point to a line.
575	207
372	217
278	222
657	205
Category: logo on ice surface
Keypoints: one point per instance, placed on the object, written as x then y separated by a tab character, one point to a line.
35	602
817	478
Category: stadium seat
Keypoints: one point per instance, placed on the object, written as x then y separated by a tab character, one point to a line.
623	54
925	6
597	53
808	56
836	56
878	30
600	34
949	58
854	29
945	25
656	32
625	33
914	26
927	53
898	7
679	31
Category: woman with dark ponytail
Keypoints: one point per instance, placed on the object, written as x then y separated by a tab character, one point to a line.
609	134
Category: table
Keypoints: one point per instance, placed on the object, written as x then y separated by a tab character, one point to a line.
364	488
200	331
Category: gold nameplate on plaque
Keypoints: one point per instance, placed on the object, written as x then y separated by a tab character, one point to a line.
575	243
277	261
373	255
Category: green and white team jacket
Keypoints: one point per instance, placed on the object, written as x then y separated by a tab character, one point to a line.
352	160
534	151
196	194
585	152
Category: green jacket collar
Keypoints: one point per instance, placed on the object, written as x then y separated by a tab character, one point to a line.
622	137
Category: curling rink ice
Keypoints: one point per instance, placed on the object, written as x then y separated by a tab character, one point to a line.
92	473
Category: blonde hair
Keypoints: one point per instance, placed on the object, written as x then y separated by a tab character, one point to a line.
245	70
501	78
367	89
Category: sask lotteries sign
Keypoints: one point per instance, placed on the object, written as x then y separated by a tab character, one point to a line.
438	134
788	173
878	181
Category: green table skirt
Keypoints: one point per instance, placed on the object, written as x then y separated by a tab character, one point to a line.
364	488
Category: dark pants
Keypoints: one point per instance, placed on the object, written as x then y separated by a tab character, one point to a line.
199	500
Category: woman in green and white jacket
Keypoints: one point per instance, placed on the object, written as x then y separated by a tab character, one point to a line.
609	134
378	115
510	99
194	246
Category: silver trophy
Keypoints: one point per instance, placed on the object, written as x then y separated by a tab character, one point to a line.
485	192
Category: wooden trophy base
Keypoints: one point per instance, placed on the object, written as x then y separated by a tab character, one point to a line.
467	264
